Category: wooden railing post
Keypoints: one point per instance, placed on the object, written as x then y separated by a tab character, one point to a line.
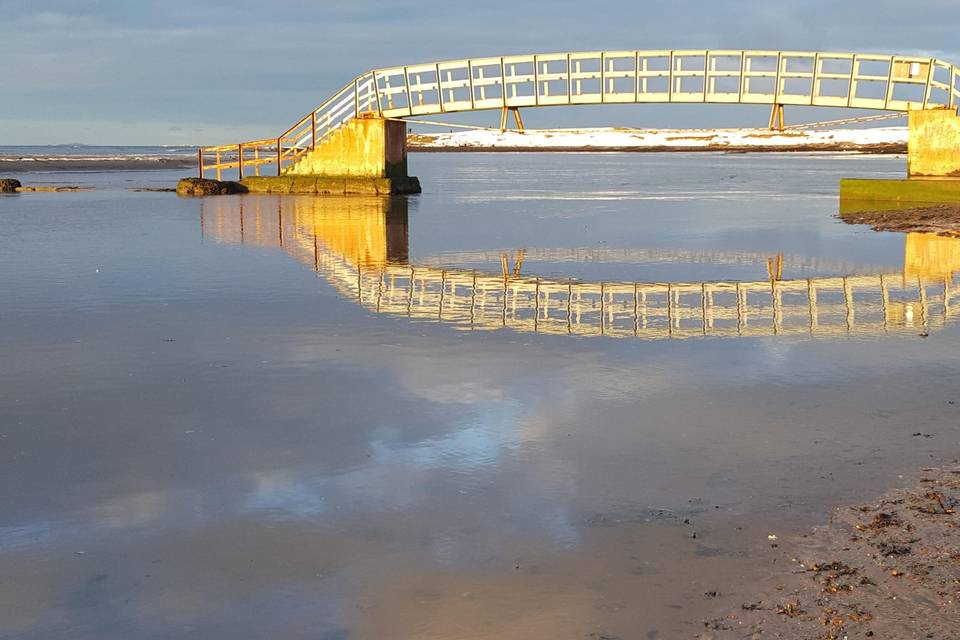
219	170
356	98
200	161
240	159
279	156
376	90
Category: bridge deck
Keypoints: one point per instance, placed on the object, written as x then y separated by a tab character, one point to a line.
809	78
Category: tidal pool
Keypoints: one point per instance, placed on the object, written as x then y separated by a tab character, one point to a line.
556	395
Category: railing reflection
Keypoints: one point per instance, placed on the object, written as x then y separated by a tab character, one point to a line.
360	246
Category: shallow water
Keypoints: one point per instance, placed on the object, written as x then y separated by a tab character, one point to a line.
237	417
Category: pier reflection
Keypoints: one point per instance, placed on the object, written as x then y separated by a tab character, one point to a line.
360	246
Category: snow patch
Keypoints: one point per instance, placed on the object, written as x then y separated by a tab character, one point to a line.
653	139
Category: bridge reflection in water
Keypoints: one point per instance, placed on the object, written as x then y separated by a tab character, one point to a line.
360	246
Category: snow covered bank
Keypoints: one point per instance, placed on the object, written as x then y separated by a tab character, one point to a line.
875	140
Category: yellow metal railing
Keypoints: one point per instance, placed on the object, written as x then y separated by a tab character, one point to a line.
853	80
292	144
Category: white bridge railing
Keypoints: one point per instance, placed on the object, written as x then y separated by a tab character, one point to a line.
807	78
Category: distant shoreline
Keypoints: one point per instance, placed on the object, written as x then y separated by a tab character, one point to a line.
23	165
889	140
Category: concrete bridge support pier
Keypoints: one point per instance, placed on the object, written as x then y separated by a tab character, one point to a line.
933	148
365	156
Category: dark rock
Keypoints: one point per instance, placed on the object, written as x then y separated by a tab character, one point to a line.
205	187
9	185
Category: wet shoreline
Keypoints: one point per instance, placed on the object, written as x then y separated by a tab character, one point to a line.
18	164
940	219
888	568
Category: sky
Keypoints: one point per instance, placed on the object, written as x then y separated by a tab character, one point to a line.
215	72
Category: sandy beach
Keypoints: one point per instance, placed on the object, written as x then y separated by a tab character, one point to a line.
886	568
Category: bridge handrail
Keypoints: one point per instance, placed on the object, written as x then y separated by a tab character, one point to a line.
808	78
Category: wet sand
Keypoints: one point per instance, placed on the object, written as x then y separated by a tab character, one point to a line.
889	568
941	219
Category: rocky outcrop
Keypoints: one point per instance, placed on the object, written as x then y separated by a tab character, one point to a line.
9	185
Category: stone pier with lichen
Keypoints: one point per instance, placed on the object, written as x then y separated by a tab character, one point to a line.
364	156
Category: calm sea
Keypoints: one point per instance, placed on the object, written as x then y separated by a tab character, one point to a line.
554	396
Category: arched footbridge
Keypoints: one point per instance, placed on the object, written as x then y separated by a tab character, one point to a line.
895	83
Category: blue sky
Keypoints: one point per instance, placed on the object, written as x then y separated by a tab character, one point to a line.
212	71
